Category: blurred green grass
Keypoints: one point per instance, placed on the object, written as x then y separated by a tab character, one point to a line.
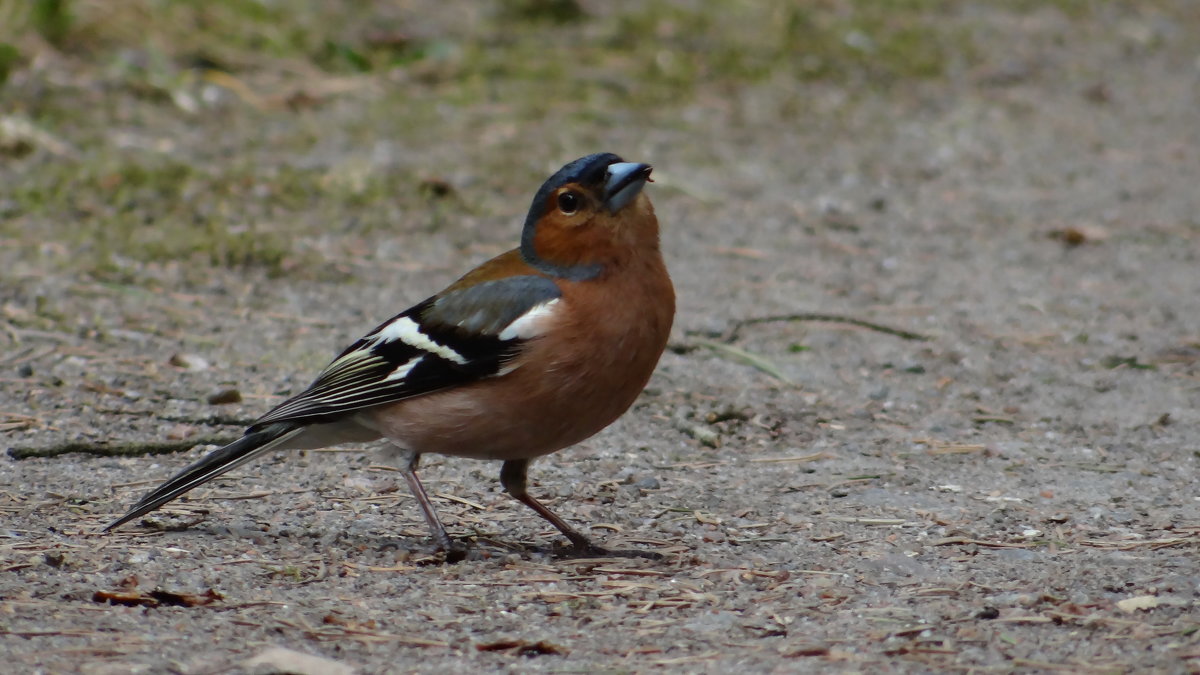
80	73
663	42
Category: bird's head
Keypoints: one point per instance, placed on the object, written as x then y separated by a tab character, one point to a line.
590	214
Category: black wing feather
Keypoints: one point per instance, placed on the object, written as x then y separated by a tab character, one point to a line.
467	322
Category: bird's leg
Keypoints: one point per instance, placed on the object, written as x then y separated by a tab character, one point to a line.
409	469
513	478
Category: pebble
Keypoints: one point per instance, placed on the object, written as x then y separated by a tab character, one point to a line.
648	483
188	362
224	396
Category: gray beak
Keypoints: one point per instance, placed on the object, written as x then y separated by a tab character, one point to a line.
624	181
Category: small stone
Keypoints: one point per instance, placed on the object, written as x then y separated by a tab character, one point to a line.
648	483
179	432
283	660
188	362
224	396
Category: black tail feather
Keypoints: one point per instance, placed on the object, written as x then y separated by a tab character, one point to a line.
217	462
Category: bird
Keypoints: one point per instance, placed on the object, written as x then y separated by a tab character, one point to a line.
529	353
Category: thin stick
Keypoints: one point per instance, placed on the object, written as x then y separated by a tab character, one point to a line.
130	449
830	318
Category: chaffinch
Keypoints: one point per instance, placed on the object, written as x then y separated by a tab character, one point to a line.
533	351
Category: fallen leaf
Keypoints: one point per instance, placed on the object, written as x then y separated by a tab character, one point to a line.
522	647
130	596
123	598
173	599
805	650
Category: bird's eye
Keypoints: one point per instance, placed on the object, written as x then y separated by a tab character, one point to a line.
568	203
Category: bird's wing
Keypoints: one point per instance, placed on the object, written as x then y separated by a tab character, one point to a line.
449	340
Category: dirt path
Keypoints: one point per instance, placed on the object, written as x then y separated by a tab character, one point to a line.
1019	492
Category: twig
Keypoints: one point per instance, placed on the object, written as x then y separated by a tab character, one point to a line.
475	505
829	318
1146	543
51	633
129	449
25	355
749	358
950	541
804	458
210	420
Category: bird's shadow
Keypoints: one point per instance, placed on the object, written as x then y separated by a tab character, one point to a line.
477	547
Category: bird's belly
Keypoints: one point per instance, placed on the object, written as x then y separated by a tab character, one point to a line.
486	420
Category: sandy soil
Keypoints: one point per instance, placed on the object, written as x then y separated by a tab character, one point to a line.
1019	492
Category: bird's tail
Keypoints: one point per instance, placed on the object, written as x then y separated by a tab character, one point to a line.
217	462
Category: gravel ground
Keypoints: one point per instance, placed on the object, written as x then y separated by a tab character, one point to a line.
1018	492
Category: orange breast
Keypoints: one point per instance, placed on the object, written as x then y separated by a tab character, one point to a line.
577	379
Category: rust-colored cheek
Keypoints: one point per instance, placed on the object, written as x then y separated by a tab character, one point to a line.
604	238
567	244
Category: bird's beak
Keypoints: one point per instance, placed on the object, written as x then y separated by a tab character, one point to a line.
625	180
